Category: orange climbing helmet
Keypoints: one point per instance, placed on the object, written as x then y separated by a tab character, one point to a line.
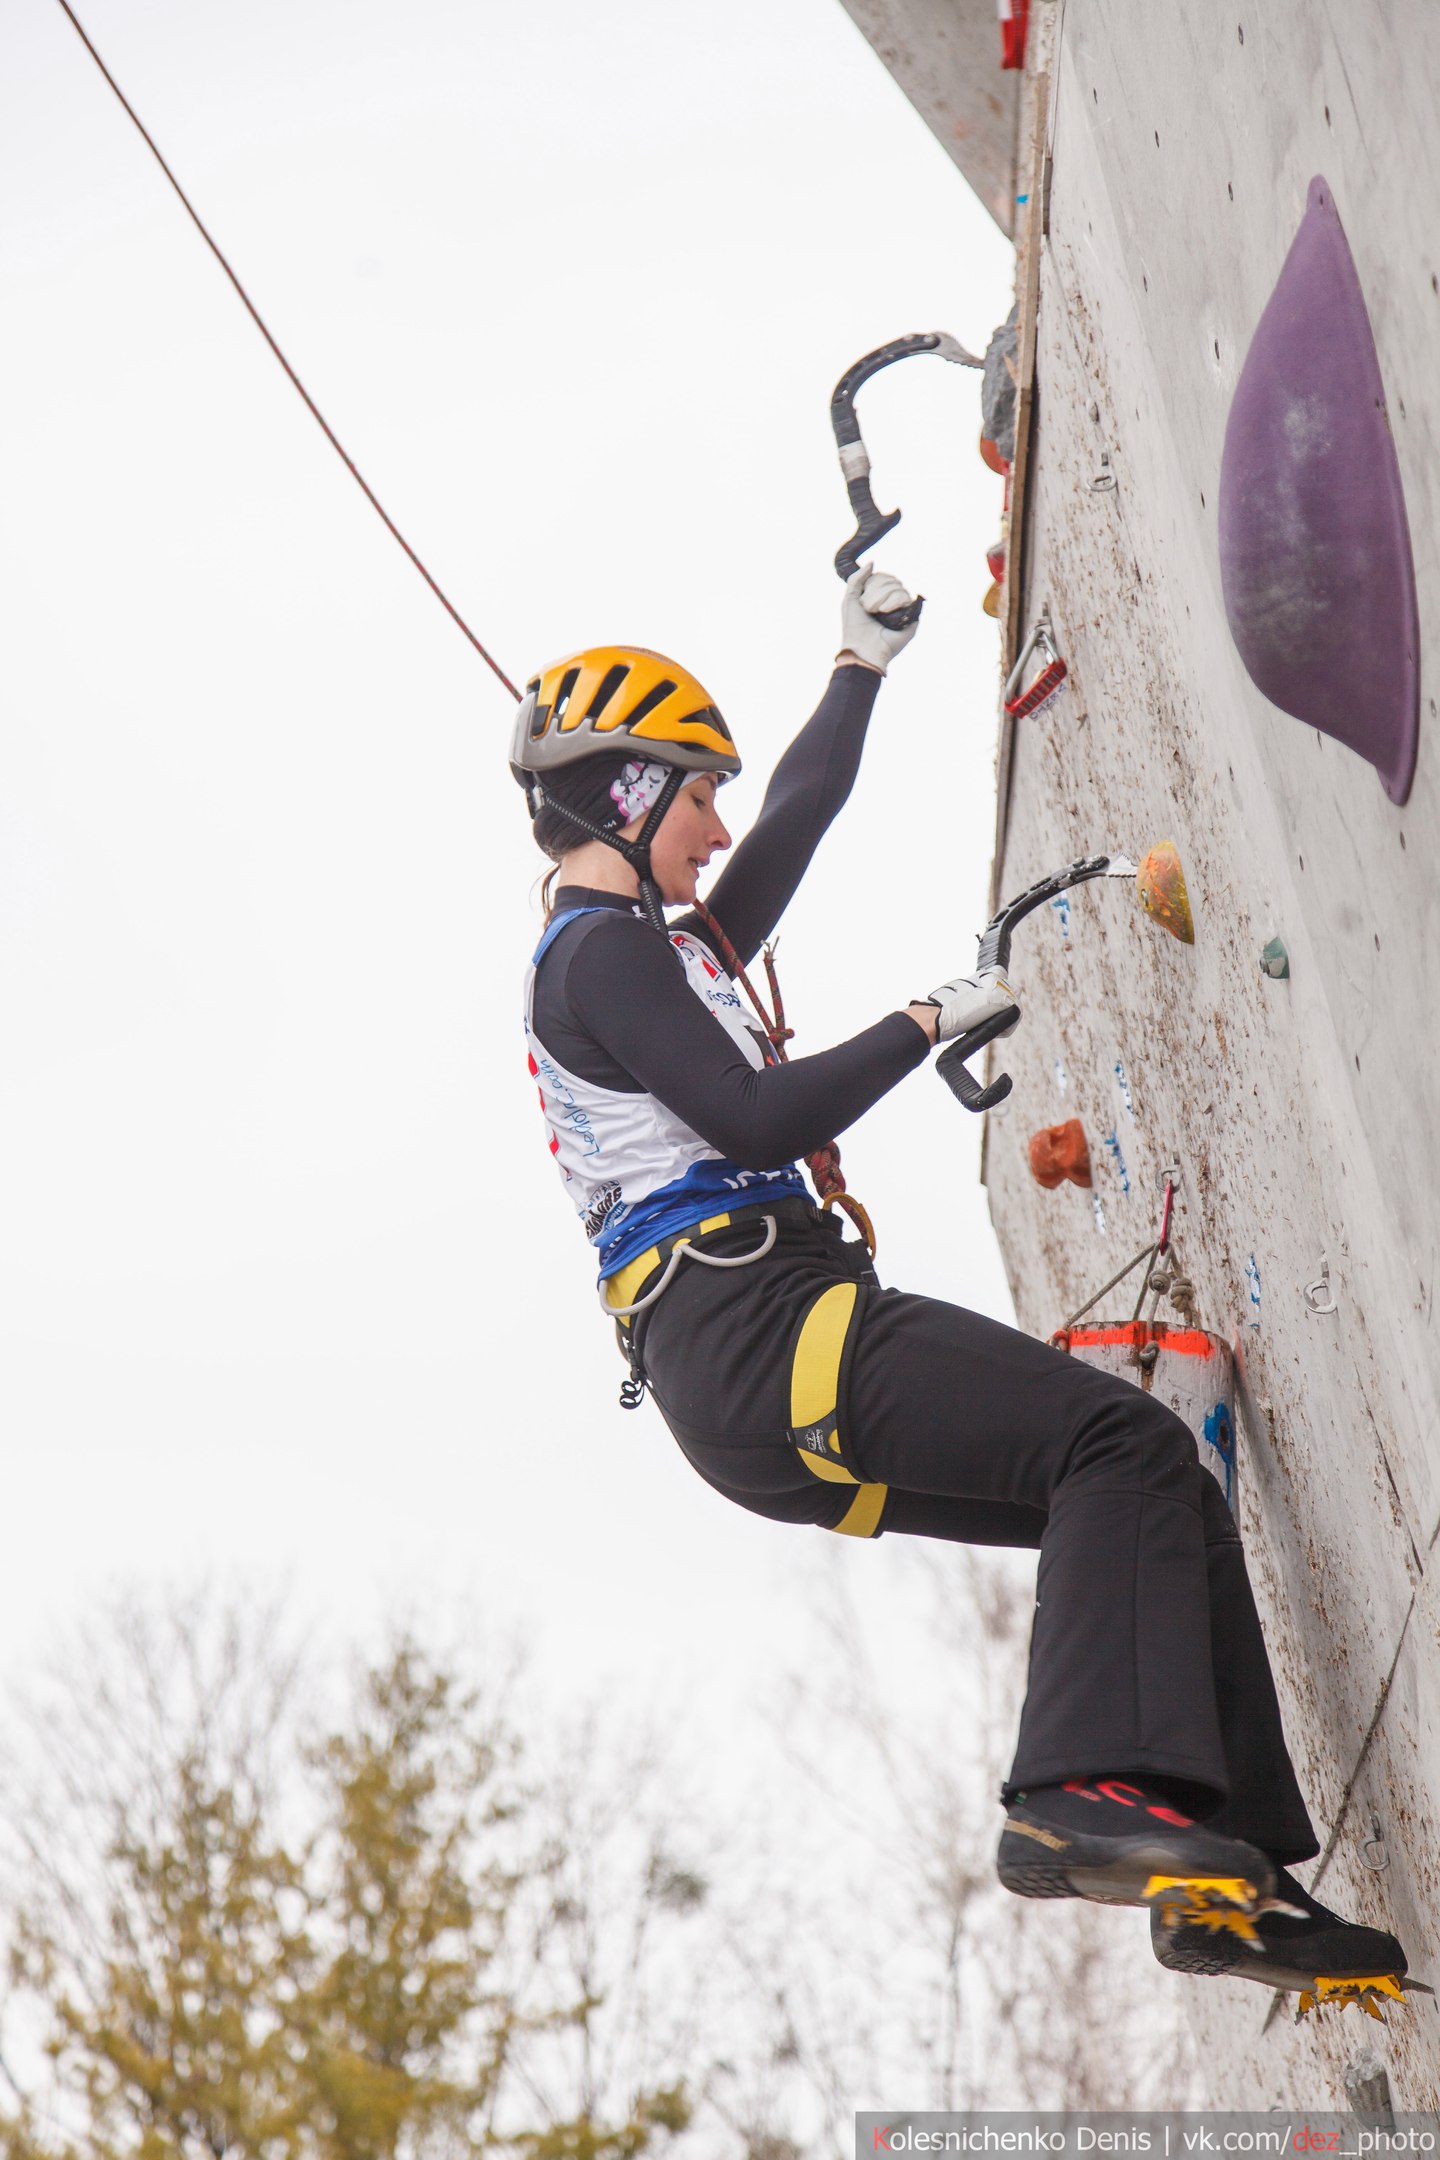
619	698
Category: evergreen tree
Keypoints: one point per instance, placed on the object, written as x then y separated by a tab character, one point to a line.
226	1942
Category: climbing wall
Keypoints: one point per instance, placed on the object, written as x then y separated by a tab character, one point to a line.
1299	1112
943	55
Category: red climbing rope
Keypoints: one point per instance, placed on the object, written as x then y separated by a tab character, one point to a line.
331	437
824	1163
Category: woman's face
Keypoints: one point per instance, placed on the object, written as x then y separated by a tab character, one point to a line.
690	833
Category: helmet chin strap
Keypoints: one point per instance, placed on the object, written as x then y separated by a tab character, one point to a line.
637	851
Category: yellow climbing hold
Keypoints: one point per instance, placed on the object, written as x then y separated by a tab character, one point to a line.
1160	882
1363	1993
991	601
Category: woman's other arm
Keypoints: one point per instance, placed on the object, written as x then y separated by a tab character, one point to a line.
626	989
807	789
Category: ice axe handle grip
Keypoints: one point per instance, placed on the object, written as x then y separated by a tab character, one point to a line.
900	618
956	1074
873	525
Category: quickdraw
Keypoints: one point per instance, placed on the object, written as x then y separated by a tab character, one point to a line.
1019	704
824	1164
1014	24
1158	1280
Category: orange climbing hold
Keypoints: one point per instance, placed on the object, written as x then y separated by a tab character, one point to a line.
1160	882
991	453
1058	1152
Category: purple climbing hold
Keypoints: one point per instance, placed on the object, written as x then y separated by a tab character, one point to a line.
1314	544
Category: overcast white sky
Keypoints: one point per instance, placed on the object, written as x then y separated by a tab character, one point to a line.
289	1286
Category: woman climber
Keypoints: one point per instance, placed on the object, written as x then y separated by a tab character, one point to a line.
1151	1767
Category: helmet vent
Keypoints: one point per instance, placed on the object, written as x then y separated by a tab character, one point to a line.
648	703
567	686
716	719
609	684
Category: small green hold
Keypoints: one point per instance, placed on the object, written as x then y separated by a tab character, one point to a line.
1275	961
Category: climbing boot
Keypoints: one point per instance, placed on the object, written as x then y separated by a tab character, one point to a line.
1300	1947
1122	1843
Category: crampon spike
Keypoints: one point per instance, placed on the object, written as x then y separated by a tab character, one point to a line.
1366	1994
1160	882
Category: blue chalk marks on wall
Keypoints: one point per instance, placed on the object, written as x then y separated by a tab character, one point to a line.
1219	1444
1123	1084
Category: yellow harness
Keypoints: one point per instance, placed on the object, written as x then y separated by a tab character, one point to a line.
814	1370
814	1406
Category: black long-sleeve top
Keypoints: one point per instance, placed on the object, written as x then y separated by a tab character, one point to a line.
612	1003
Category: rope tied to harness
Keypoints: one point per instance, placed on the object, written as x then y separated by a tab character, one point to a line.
823	1163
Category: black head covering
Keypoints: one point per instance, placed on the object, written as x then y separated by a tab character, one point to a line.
580	800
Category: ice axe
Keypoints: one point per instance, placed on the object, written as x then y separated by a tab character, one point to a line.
872	522
995	952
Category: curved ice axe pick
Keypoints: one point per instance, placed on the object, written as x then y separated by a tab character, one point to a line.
995	952
873	523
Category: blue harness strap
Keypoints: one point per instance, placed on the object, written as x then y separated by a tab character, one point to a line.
557	924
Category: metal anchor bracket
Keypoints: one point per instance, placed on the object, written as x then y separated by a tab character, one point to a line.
1373	1854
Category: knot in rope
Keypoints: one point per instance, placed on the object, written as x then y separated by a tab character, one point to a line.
824	1168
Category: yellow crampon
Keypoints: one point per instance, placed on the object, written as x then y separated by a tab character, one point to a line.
1365	1993
1222	1903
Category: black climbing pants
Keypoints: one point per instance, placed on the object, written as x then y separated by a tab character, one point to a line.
802	1389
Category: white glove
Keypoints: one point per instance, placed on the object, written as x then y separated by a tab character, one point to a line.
969	999
869	593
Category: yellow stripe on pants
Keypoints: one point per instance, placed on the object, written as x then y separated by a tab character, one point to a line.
814	1402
